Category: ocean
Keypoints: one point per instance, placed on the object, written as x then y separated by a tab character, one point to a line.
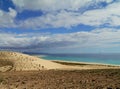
113	59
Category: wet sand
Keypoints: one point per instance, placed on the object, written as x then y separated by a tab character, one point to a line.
61	79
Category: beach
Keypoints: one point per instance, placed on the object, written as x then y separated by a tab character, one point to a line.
21	71
14	61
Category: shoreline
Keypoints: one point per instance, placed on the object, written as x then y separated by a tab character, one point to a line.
75	65
84	63
79	62
84	66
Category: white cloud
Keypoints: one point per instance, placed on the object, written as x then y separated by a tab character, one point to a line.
7	18
54	5
62	19
98	38
57	15
109	15
51	5
97	17
12	12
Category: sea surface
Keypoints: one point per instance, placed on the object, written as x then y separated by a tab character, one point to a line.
113	59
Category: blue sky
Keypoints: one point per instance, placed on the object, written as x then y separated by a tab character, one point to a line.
60	26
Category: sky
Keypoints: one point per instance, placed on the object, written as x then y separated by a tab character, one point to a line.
60	26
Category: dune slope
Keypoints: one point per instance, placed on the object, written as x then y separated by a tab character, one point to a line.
13	61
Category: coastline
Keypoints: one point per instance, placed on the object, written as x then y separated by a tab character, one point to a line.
76	65
72	61
84	63
72	65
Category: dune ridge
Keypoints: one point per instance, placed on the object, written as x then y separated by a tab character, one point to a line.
14	61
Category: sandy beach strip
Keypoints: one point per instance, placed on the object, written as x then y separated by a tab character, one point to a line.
85	65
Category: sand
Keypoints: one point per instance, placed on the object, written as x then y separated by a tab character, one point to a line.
72	65
14	61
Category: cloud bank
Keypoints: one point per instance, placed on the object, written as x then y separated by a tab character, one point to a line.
63	13
98	38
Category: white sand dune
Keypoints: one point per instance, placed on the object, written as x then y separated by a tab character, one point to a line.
13	61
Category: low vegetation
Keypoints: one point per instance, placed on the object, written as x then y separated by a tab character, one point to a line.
62	79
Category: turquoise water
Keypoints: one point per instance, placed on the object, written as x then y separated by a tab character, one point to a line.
93	58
